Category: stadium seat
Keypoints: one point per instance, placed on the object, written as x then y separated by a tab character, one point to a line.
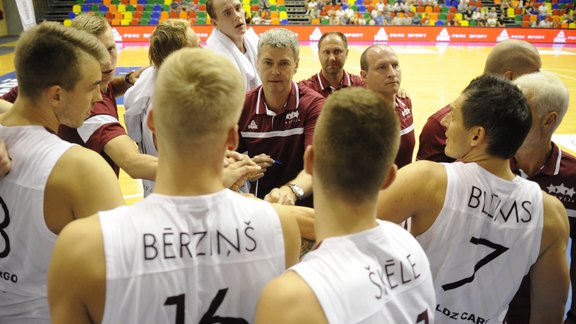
76	9
67	22
284	22
128	15
464	23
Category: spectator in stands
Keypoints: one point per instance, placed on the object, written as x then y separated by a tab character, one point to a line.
416	20
264	8
468	15
381	6
231	38
333	19
544	23
332	54
278	121
379	19
382	74
462	6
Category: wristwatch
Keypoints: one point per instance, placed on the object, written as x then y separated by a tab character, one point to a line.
297	190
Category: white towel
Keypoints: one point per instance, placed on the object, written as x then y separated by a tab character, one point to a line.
246	62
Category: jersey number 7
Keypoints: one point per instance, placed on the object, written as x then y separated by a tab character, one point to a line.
498	250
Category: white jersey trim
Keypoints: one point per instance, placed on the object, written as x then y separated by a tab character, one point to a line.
283	133
91	125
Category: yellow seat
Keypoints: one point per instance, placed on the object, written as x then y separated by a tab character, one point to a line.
283	15
121	7
76	9
572	25
464	23
128	15
126	22
67	22
458	16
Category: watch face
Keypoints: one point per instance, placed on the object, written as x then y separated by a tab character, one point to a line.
297	190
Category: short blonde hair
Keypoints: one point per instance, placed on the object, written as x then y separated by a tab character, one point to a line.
169	36
50	54
199	94
90	23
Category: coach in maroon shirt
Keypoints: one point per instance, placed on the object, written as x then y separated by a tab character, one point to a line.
332	53
381	71
278	120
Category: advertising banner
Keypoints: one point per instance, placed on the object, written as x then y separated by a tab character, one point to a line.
384	34
26	11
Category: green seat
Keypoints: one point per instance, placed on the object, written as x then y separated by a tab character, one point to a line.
281	8
94	8
325	21
442	16
273	8
201	21
367	15
202	15
144	21
130	7
473	23
147	15
445	9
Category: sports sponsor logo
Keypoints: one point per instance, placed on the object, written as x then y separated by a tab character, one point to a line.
444	36
381	36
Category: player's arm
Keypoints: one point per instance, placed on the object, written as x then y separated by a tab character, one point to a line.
291	235
549	276
77	274
288	299
122	83
81	184
284	195
418	191
124	152
304	217
4	106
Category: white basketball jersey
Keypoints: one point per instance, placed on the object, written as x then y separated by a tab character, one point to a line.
378	276
483	242
190	259
25	241
138	102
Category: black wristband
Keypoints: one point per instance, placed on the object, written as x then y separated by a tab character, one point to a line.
127	77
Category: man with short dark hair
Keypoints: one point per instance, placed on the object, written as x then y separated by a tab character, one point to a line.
332	53
482	226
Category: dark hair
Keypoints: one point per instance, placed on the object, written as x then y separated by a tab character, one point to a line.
498	106
355	143
339	34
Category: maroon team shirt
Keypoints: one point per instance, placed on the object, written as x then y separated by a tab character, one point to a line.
433	138
403	110
558	178
98	129
283	136
318	83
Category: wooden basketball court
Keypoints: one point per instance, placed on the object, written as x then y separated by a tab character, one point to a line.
432	74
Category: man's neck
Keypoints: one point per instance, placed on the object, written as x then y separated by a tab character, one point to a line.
277	102
533	157
497	166
337	218
26	112
178	175
334	80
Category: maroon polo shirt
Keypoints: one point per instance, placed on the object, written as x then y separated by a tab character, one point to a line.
433	138
403	110
318	83
283	136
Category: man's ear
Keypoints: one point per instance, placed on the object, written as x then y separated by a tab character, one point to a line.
54	95
309	159
150	120
478	136
549	120
363	75
232	138
508	75
390	177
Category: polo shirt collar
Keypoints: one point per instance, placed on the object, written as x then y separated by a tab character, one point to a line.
550	168
291	104
345	82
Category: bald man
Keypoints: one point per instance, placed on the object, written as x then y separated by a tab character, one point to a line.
380	70
510	59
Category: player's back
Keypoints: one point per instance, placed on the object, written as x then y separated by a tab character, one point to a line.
26	242
482	243
380	275
189	259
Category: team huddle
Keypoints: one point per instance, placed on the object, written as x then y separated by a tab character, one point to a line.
269	200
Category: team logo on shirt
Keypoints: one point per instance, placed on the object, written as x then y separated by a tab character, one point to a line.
405	112
292	117
563	193
252	125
